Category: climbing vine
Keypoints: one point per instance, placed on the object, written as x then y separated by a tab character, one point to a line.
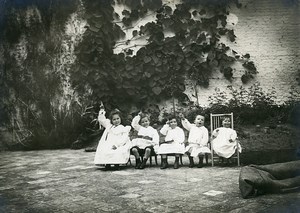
158	69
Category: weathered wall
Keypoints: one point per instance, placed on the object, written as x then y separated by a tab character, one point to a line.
269	31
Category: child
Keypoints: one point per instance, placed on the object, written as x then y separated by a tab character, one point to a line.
197	140
224	140
173	143
114	145
146	142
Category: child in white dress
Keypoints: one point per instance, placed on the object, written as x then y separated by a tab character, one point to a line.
197	140
147	141
114	145
224	140
173	144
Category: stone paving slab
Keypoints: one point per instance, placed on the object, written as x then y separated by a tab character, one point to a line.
67	181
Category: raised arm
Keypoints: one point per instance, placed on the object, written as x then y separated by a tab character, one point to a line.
186	124
135	122
102	119
164	130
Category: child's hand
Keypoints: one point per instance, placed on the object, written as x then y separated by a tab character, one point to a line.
114	147
140	113
181	116
168	122
101	107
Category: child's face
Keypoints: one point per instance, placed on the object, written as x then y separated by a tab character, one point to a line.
226	123
199	120
145	122
173	123
116	120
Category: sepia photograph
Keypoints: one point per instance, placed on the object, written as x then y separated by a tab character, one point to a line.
149	106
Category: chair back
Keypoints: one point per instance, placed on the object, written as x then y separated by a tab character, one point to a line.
216	120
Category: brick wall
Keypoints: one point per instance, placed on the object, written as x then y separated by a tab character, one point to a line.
269	30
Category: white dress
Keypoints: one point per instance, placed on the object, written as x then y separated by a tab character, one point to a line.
113	136
147	136
198	139
221	144
177	136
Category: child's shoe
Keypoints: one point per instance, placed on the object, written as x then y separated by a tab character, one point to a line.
143	165
191	162
117	167
176	164
137	163
200	165
164	164
107	167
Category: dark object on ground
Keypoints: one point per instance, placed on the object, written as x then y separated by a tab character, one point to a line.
256	180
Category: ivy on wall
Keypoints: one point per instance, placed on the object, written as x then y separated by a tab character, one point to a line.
159	68
32	39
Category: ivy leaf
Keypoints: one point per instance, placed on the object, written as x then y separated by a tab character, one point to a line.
129	52
214	63
245	78
156	90
94	29
126	21
128	67
194	13
97	15
98	25
147	74
247	55
231	35
147	59
222	31
228	73
238	5
202	12
116	16
130	92
168	10
126	13
134	33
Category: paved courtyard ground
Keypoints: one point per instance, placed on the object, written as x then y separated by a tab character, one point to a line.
67	181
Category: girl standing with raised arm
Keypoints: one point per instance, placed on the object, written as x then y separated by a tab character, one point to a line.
114	145
147	141
197	140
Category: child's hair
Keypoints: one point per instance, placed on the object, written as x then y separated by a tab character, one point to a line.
115	112
199	115
171	117
225	117
144	115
